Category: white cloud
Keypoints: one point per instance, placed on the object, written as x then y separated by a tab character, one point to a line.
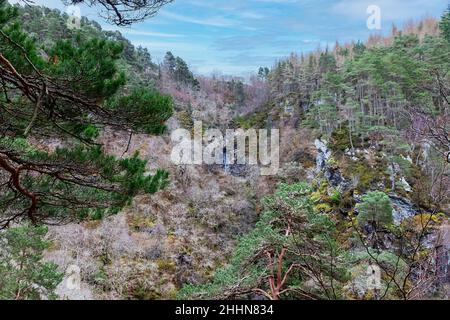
390	10
216	21
48	3
142	32
278	1
164	46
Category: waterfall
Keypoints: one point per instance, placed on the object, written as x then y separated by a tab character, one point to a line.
323	154
226	164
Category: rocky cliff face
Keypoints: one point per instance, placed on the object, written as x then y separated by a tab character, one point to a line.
180	235
185	232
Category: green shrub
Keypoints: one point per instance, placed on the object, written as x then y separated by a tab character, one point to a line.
375	208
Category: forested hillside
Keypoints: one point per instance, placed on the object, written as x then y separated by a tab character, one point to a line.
87	186
380	191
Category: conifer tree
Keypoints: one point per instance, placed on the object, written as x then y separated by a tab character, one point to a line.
375	208
445	24
126	12
23	274
68	92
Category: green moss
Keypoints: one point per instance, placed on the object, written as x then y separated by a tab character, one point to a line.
140	293
336	197
340	139
256	121
185	119
367	176
165	265
326	198
347	200
101	277
139	221
316	196
304	157
323	207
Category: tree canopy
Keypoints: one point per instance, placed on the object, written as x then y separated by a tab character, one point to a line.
375	208
68	92
124	12
23	275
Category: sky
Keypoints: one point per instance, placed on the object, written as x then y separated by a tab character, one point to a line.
236	37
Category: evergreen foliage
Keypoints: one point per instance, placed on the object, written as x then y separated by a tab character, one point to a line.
289	235
68	91
23	274
375	208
